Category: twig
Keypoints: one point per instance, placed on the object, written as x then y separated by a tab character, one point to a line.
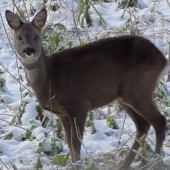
8	35
131	136
162	83
127	5
98	13
168	3
121	131
14	167
3	164
16	79
5	104
14	52
25	9
144	158
18	10
169	62
15	125
1	114
79	137
76	27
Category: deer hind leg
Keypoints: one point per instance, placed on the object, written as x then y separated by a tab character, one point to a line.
141	101
142	127
149	111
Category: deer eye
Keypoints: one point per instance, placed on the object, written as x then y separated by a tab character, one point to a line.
36	37
19	38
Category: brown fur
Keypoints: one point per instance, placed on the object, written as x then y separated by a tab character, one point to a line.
74	81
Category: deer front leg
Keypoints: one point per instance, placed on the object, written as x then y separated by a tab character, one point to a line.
77	129
74	123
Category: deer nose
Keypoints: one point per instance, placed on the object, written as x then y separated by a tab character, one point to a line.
29	51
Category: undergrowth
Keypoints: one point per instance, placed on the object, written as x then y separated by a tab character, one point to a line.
57	37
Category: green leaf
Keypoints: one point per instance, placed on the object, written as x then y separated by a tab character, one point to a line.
70	44
111	122
82	22
92	166
14	118
28	135
38	164
60	159
1	72
9	136
81	11
89	120
2	84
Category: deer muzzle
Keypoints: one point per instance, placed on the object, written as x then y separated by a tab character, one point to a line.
29	51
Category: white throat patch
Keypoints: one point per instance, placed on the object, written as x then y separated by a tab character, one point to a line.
32	75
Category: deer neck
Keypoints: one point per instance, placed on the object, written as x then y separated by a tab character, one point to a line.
37	72
37	78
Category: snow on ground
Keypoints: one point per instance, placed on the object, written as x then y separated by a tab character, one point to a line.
153	24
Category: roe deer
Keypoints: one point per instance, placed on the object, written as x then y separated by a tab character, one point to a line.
80	79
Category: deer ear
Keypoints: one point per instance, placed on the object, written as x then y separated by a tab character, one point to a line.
40	18
13	20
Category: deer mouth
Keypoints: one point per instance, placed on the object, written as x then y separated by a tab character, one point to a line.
31	55
29	52
29	59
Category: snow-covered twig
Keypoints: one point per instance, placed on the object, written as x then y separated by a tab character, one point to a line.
14	125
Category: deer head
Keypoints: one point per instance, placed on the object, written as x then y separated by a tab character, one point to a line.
27	35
